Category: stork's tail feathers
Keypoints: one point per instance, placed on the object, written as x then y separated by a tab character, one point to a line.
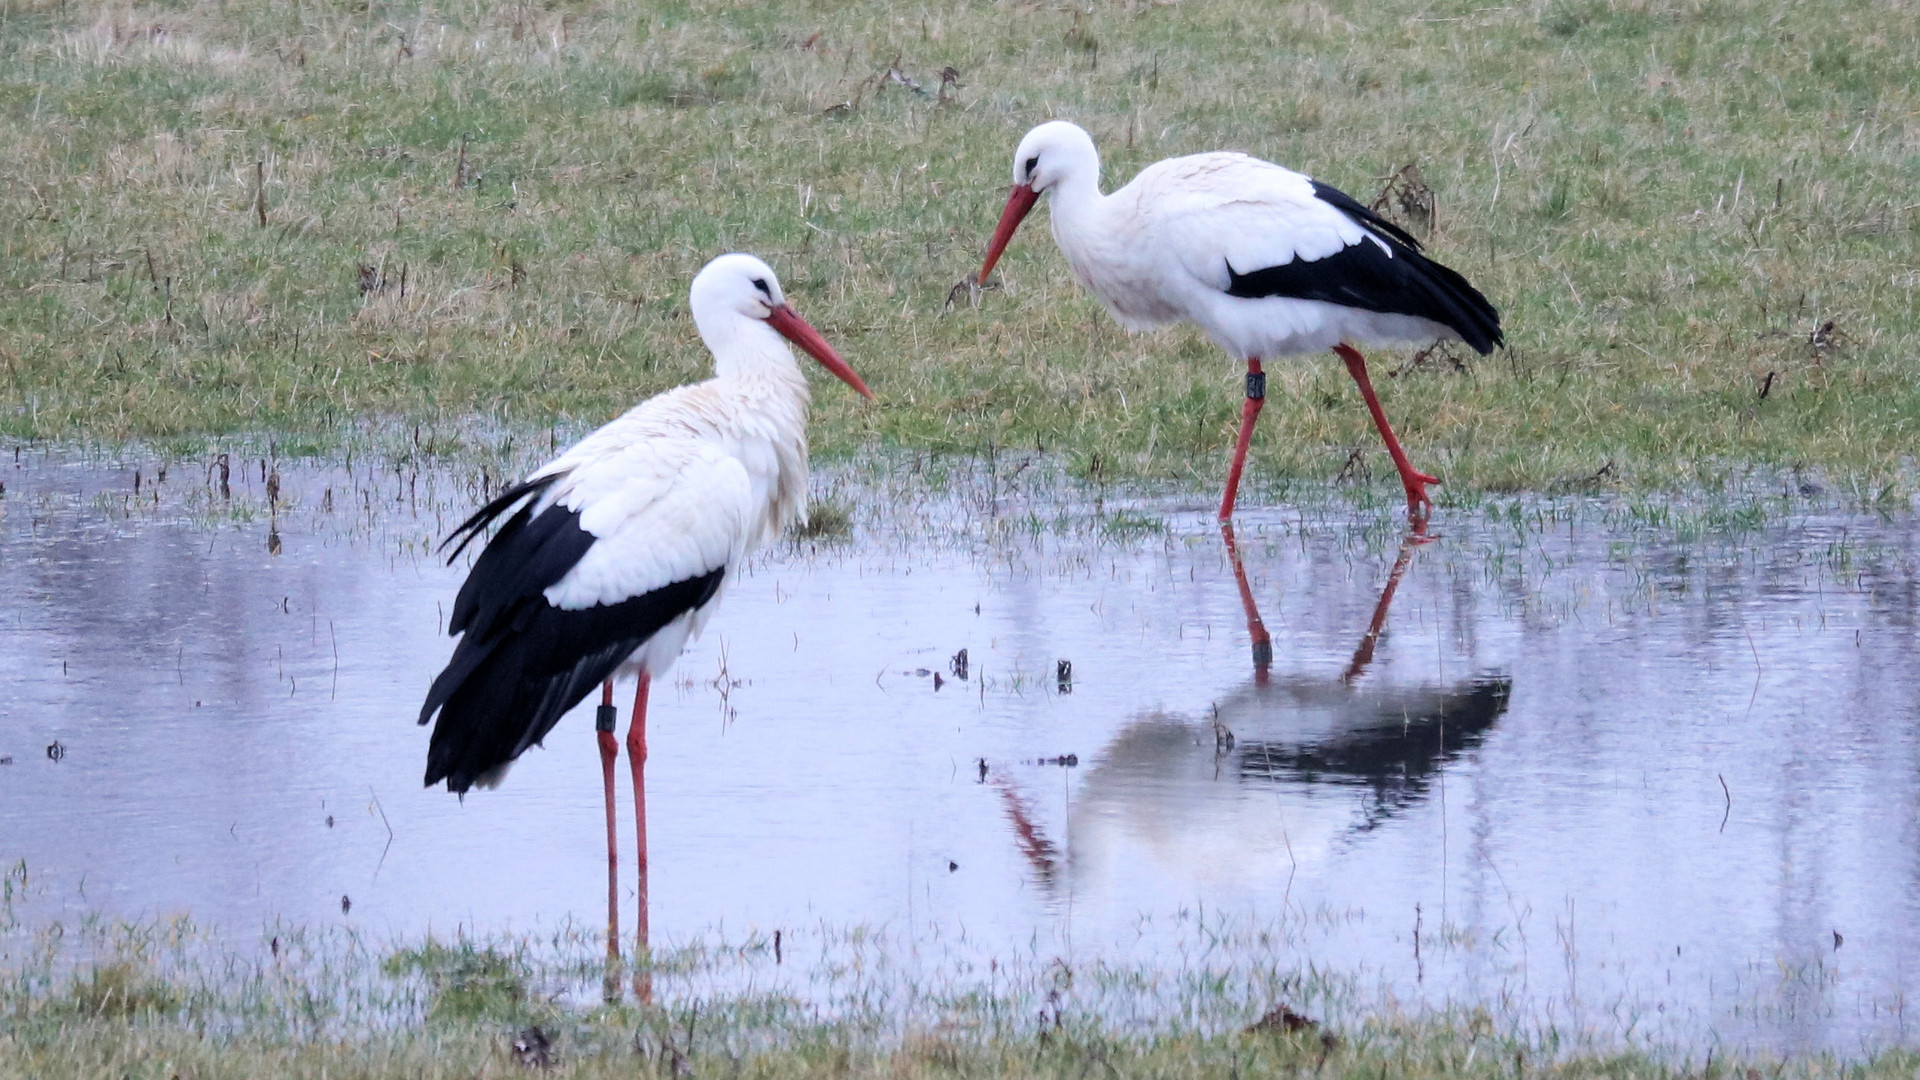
1454	302
1475	319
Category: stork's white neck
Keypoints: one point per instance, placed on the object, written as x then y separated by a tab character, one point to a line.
748	348
765	422
1075	201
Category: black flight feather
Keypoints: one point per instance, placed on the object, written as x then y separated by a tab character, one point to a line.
1363	276
521	662
484	516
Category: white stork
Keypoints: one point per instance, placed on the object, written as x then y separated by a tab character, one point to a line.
1268	262
620	547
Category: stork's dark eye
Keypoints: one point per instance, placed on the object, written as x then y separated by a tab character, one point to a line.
1032	164
761	284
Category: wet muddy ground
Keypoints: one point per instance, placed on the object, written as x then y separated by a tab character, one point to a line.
1648	770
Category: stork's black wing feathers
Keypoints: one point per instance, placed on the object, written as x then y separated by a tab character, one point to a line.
521	662
529	554
503	692
1351	207
1363	276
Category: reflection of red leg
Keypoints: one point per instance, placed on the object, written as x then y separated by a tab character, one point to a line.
610	749
1418	504
1040	852
637	761
1363	655
1249	412
1257	630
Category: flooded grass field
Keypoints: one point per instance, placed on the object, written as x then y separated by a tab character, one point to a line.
1645	771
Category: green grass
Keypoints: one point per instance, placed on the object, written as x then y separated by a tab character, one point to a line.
467	981
165	999
1668	199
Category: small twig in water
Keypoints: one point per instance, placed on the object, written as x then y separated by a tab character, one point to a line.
383	820
971	287
1419	967
1355	469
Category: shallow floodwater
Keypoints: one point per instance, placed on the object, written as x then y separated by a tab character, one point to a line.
1646	771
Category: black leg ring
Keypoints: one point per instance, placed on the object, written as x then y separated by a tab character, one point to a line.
1263	654
604	718
1256	385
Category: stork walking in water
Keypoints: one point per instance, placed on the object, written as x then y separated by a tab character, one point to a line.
619	548
1268	262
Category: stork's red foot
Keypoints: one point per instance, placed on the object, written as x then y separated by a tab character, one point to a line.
1419	504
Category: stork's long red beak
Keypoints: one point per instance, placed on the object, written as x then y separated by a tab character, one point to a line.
1019	203
795	329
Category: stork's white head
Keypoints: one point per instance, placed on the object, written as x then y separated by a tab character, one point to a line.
733	285
1055	152
735	299
1054	156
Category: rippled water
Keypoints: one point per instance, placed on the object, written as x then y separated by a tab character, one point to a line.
1648	770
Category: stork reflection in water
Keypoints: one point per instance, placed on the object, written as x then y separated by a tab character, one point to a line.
1282	770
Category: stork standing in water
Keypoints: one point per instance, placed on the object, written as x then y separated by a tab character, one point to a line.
619	548
1268	262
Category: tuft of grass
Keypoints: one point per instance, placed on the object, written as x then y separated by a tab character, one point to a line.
1696	217
1130	524
119	990
467	982
827	519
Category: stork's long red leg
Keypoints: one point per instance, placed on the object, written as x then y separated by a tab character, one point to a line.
1418	504
610	749
637	761
1249	412
1257	630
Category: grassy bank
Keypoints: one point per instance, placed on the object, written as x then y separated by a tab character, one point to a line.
123	1049
160	1000
1697	217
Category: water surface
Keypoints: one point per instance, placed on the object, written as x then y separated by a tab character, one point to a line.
1649	771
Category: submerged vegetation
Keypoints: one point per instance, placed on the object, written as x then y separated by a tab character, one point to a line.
160	1000
264	215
